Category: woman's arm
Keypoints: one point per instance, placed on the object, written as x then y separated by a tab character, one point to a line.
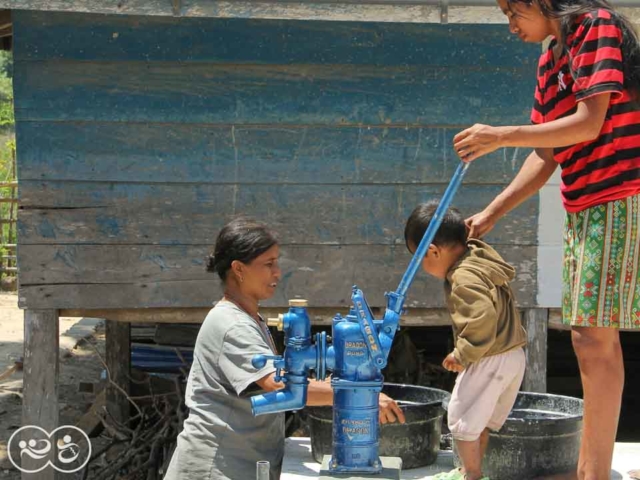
269	384
536	170
320	393
582	126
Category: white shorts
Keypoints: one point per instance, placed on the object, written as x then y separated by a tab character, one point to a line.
484	394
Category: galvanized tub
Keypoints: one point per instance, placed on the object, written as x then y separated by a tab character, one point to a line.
416	442
541	437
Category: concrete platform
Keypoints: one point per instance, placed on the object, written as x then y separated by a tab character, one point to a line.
391	468
299	464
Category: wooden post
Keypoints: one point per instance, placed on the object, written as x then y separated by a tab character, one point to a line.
40	384
118	360
536	323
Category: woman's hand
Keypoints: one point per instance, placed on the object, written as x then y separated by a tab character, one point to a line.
389	410
478	140
480	224
451	363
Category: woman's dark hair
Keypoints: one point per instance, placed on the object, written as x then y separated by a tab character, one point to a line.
452	231
567	11
241	239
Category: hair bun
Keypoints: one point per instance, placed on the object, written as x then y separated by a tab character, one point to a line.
210	263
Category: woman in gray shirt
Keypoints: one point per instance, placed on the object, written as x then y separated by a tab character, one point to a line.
221	438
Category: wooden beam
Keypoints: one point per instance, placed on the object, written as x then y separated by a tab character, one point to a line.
374	10
40	384
556	322
118	358
5	19
536	323
419	317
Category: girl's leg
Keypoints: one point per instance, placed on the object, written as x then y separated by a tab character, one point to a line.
602	373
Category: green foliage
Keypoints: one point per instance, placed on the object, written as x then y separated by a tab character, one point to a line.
6	64
7	120
7	150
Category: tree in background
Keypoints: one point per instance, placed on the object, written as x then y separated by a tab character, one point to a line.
7	155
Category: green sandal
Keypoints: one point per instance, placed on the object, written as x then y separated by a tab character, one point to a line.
454	474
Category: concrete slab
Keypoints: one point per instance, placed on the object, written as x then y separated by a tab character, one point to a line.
391	468
299	464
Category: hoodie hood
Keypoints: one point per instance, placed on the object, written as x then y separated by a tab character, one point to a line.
485	261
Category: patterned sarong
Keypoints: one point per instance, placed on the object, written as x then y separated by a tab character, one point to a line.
601	287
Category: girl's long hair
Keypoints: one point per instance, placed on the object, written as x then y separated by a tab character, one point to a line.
567	11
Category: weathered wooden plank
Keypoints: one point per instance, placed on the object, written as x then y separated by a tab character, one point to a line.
323	274
140	7
270	94
40	384
118	360
46	35
67	264
94	264
556	323
536	323
188	214
225	154
91	422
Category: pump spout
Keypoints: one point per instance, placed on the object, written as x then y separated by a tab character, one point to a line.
292	397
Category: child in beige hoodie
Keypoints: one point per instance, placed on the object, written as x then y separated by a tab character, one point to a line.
488	334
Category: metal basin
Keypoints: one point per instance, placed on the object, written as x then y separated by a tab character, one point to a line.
541	437
417	441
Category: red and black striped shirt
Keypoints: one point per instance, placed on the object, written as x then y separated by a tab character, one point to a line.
607	168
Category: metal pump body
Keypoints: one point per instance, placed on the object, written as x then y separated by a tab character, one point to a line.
358	353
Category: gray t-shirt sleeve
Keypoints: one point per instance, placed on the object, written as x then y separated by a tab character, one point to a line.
241	344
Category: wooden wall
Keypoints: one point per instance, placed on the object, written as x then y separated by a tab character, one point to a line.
138	137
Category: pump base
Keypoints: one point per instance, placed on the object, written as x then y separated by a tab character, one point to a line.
391	468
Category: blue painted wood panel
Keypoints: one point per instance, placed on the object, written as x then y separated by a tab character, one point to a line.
184	214
268	94
50	35
139	137
158	153
127	276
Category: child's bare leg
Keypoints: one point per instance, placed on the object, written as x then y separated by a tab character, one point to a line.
484	442
602	372
470	453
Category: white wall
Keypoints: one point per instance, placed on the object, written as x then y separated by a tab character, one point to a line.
550	226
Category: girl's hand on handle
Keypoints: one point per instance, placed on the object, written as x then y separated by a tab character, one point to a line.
478	140
480	224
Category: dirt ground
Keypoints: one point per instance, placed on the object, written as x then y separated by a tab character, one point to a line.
78	363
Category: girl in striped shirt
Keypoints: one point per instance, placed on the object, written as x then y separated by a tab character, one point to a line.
586	118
